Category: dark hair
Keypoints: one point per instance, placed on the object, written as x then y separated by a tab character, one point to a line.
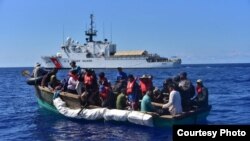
74	72
101	74
183	75
131	76
171	86
73	62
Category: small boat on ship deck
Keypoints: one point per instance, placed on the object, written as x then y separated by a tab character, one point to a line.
71	104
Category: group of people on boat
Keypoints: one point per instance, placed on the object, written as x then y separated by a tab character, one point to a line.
178	93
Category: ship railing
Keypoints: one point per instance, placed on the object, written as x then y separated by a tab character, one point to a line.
126	57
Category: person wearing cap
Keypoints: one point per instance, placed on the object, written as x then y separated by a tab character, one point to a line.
76	68
174	105
38	71
202	94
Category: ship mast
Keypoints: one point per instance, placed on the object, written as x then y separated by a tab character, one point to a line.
91	32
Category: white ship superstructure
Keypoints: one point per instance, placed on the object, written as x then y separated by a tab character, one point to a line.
103	54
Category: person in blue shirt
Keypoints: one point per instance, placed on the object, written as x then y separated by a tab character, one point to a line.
121	75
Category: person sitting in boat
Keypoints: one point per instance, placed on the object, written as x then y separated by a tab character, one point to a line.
121	100
133	92
157	96
174	103
186	90
165	91
76	68
46	78
201	97
107	97
91	86
38	71
145	83
105	91
146	105
72	82
167	82
102	79
54	83
121	75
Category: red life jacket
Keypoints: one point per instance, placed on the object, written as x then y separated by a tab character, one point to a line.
88	80
145	85
130	87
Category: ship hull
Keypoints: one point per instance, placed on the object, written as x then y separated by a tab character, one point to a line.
107	63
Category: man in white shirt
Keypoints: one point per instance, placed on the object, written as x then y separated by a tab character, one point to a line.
174	104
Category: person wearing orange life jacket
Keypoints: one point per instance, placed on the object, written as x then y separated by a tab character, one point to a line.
145	83
132	92
91	86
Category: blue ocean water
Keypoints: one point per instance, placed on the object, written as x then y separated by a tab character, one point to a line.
21	117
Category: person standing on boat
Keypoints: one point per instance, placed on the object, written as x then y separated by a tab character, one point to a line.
121	75
132	92
186	90
38	71
76	68
174	103
146	105
202	94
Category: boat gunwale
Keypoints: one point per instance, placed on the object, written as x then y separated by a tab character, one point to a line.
154	114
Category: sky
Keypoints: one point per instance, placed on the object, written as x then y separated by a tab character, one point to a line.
197	31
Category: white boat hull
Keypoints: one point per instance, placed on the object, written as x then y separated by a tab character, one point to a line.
50	62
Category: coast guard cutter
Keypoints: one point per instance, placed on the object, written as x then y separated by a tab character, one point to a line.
103	54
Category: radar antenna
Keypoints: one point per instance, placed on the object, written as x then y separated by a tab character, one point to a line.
91	32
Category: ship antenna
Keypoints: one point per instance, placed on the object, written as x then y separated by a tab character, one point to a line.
91	32
111	32
103	30
63	34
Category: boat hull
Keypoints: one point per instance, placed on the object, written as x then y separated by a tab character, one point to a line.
45	100
107	63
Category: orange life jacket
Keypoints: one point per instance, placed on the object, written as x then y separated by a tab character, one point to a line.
130	87
88	80
145	85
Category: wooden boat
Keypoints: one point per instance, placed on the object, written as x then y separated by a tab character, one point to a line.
45	99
